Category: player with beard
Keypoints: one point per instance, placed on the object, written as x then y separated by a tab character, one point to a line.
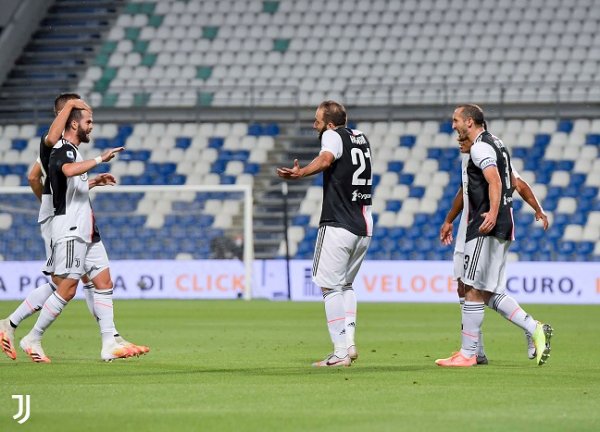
489	182
446	238
346	224
40	185
77	248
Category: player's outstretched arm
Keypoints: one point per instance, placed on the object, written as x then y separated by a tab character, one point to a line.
529	197
318	164
60	121
446	228
77	168
35	179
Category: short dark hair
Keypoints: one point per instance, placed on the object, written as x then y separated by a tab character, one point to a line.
333	112
475	112
61	100
76	114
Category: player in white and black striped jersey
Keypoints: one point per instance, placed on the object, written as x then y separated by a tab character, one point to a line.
489	182
346	224
525	191
40	185
77	249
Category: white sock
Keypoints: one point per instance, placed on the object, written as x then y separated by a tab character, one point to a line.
32	303
480	350
103	308
510	309
88	292
336	321
472	318
51	309
350	307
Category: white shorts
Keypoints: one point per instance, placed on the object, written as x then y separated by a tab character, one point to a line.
485	264
459	265
74	258
46	230
338	256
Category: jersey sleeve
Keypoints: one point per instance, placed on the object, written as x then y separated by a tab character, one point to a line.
62	155
483	155
331	142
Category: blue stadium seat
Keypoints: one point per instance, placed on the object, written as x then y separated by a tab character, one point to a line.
564	165
252	168
271	129
138	155
216	142
227	179
218	166
541	140
19	144
175	179
376	179
446	127
103	143
565	126
395	166
183	142
577	179
416	192
519	152
592	139
434	153
182	206
124	130
408	140
584	248
566	247
396	233
406	179
393	205
41	130
255	129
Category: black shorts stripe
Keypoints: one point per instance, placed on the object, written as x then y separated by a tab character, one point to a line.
475	258
70	253
51	257
318	248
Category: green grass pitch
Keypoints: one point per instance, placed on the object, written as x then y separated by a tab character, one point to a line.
245	366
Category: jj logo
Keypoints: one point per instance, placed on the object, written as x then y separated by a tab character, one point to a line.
24	404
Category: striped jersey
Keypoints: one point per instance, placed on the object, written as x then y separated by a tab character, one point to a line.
73	214
46	207
347	183
488	150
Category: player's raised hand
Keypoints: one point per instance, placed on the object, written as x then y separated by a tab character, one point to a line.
105	179
80	104
446	234
111	153
290	173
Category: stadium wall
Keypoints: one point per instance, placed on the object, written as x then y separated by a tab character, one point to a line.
378	281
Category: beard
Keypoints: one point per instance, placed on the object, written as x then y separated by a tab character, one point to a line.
321	132
82	135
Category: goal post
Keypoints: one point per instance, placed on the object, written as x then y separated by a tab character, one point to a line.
209	215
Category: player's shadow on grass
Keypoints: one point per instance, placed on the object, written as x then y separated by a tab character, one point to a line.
297	370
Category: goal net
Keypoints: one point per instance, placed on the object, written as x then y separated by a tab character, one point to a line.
162	241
